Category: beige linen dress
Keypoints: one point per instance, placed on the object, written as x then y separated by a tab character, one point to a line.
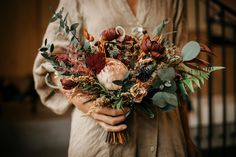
162	136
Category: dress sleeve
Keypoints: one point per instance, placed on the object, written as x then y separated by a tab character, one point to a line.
48	96
180	23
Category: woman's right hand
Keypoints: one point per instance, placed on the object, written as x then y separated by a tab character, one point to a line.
108	118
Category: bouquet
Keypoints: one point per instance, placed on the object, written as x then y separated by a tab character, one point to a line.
122	70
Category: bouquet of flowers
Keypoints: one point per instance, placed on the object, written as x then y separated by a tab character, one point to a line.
121	70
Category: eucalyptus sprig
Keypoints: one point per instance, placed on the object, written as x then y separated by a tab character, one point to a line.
63	26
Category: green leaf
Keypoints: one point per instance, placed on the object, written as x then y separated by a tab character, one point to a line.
52	48
182	88
118	104
74	26
189	84
62	24
86	45
43	49
163	99
167	74
118	82
53	19
171	89
158	30
215	68
190	50
196	81
45	42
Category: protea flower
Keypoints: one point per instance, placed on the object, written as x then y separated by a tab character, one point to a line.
114	70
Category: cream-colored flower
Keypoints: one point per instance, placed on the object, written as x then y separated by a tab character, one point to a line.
114	70
138	92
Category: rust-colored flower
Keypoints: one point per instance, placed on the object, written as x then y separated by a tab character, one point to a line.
109	34
68	83
138	92
146	44
96	62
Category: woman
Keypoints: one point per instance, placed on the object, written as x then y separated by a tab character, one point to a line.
164	136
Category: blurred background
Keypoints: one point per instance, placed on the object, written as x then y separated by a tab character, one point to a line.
27	128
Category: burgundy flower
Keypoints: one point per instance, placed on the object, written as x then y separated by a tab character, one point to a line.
96	62
146	44
109	34
68	84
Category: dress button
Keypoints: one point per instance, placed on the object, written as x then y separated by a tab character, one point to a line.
152	148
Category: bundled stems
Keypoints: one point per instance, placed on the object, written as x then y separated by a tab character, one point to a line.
117	137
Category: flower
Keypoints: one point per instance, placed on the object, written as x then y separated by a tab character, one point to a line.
109	34
68	83
146	44
64	57
138	92
96	62
114	70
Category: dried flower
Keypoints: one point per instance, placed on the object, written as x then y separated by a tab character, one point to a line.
146	44
109	34
96	62
64	57
138	92
68	83
114	70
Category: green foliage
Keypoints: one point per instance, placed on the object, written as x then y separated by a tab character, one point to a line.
198	77
190	51
158	30
165	101
166	74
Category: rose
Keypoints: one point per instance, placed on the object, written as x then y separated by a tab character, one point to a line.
138	92
113	70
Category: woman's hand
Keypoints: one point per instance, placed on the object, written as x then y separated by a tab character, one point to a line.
110	119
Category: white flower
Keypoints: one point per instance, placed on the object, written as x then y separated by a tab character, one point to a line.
114	70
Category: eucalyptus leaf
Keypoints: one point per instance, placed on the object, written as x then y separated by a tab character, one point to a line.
162	99
62	24
172	88
45	42
74	26
53	19
51	47
43	49
190	51
86	45
158	30
166	74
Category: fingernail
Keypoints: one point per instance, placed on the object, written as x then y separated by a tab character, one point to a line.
124	127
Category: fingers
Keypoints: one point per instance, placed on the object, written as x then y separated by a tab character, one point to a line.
112	112
111	128
108	119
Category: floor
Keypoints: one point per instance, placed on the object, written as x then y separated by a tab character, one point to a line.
24	133
27	134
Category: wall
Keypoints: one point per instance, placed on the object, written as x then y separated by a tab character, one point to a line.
21	28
